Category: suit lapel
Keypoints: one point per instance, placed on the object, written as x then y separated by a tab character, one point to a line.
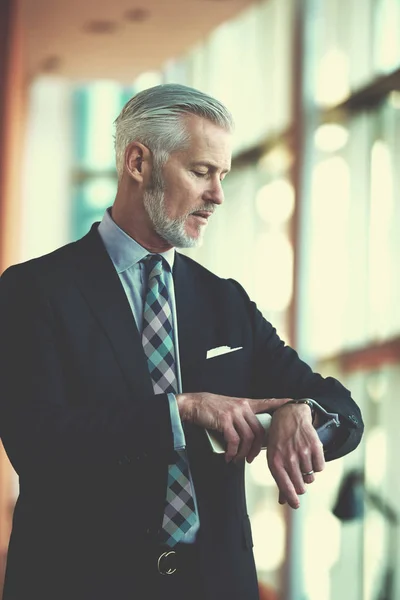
103	291
194	320
195	332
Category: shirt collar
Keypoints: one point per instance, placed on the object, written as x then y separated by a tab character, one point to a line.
123	250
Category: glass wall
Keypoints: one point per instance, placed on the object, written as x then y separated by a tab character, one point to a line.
349	293
95	107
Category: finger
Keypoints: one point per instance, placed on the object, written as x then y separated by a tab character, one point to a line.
246	436
284	483
318	458
294	472
259	433
232	440
252	435
308	475
287	489
306	466
267	404
281	499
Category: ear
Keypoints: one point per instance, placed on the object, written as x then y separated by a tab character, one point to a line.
137	161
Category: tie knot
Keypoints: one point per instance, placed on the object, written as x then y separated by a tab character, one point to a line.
153	264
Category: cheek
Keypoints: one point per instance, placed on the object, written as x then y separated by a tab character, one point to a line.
179	199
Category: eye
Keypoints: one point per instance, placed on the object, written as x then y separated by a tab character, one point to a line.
199	174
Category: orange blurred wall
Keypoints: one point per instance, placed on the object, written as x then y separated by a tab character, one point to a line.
13	93
12	117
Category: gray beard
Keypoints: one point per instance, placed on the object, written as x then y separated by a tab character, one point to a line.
171	230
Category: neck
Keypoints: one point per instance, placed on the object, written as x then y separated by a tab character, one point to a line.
138	226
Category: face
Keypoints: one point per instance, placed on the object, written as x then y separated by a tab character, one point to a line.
185	192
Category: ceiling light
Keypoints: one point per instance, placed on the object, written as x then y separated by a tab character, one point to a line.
51	64
137	15
100	26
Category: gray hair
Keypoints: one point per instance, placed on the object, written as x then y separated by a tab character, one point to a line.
154	118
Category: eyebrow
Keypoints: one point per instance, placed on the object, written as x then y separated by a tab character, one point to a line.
211	166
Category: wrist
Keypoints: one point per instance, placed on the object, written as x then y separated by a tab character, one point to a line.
303	401
309	403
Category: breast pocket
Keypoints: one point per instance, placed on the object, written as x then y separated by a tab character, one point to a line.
228	374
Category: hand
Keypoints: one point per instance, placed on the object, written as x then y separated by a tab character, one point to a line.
293	448
233	417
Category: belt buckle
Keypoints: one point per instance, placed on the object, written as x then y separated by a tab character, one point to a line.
166	556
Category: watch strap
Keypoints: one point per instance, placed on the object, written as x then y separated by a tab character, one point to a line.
307	401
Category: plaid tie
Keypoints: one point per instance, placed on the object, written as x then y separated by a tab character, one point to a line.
158	345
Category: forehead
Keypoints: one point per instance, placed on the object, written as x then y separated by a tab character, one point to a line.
208	141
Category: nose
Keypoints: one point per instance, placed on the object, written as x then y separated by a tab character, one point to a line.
214	192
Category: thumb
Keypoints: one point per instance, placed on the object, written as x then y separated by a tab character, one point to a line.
268	404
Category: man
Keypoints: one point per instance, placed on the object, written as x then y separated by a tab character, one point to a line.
117	353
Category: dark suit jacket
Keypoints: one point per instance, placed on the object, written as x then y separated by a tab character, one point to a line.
91	443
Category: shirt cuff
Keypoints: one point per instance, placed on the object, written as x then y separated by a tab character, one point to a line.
328	431
176	423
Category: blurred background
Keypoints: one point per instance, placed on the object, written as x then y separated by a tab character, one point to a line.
312	203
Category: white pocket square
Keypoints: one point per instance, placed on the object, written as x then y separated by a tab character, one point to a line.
221	350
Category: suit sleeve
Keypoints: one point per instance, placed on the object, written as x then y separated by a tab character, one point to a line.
279	372
41	427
